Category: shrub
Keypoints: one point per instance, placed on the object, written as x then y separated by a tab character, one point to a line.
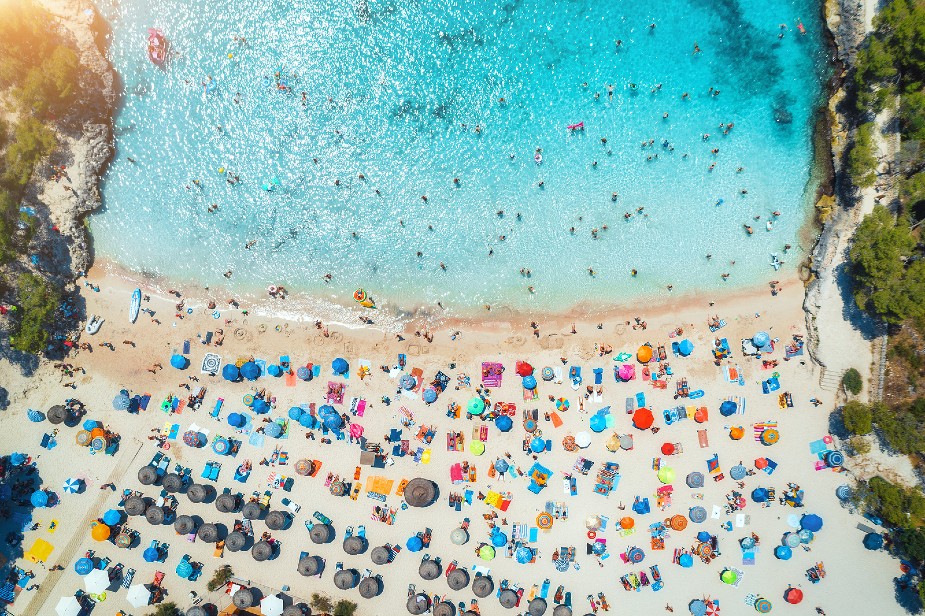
321	603
221	577
862	161
859	445
345	608
166	609
897	505
858	417
912	542
853	382
37	304
31	142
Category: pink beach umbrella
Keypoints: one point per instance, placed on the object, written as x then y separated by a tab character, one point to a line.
356	430
627	372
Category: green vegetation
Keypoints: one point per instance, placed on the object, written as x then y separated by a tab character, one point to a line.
38	301
168	608
32	141
862	162
221	577
858	417
852	381
321	603
897	505
345	608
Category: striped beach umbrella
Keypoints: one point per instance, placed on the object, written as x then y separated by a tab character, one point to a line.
762	606
72	485
83	566
35	416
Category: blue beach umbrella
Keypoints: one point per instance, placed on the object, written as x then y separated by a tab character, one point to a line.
303	373
697	607
686	560
340	366
260	406
150	555
475	406
811	522
834	458
407	382
760	495
635	555
703	536
39	499
430	395
548	374
274	370
598	423
112	517
783	552
523	555
529	382
498	539
121	402
230	372
504	423
90	424
236	420
791	540
72	485
83	566
843	492
184	569
35	416
761	339
326	409
414	544
221	446
250	371
179	362
295	413
727	408
686	347
306	420
501	465
747	543
333	421
17	459
273	430
537	445
806	536
873	541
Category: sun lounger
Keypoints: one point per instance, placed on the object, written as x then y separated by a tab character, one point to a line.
213	473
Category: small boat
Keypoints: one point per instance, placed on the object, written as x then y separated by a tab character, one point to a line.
775	261
135	306
157	46
93	324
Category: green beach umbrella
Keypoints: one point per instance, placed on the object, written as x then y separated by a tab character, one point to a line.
729	576
666	474
477	447
475	406
486	552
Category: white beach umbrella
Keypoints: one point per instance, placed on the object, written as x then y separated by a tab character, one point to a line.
96	581
68	606
271	606
138	596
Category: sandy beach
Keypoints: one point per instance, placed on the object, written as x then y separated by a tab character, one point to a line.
837	545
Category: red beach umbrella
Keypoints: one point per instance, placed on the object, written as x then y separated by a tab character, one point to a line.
667	449
761	463
793	595
643	418
524	369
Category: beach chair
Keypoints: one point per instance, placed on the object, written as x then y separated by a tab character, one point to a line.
218	408
213	473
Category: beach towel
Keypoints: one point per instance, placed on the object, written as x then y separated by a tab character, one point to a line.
761	427
143	402
291	379
598	376
358	406
491	374
702	439
531	394
262	364
717	511
556	420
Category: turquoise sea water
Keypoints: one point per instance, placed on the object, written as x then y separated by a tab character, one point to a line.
395	91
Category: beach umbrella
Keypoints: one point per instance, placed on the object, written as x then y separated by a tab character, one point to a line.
498	539
251	511
260	406
728	576
429	570
548	374
806	536
250	371
834	458
703	536
304	467
340	366
307	420
635	555
626	522
760	495
261	551
184	525
370	587
643	418
644	354
295	413
72	485
39	499
697	514
701	414
783	552
562	610
626	441
562	404
333	421
475	406
873	541
529	382
123	540
83	438
407	382
320	534
811	522
793	595
230	372
685	347
112	517
100	532
338	488
98	443
68	606
150	554
208	533
738	472
537	607
172	482
761	339
523	555
728	408
504	423
530	425
273	430
248	400
135	505
355	545
667	449
380	555
457	579
184	569
274	370
414	544
418	604
508	598
147	475
243	598
276	520
138	595
121	402
666	474
501	465
769	436
236	420
686	560
486	552
482	586
597	423
736	433
791	540
459	536
296	609
420	492
762	606
583	439
83	566
303	373
235	541
271	605
197	493
537	445
154	515
226	503
430	395
524	369
309	566
697	607
179	362
345	579
843	492
678	522
444	608
194	439
57	414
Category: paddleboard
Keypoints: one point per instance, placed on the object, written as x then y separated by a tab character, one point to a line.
135	306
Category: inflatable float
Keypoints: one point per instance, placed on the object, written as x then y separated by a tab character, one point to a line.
157	46
362	298
579	126
93	324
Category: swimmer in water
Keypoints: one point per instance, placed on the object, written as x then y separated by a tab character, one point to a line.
613	196
633	273
610	90
748	229
591	272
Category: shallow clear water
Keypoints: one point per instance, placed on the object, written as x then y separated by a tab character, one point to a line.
396	95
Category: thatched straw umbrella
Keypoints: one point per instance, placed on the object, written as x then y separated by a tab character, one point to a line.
429	570
482	586
444	608
457	579
198	493
345	579
355	545
57	414
469	613
537	607
508	598
380	555
562	610
243	598
235	541
251	511
261	551
226	503
309	566
320	533
197	610
370	587
135	506
208	533
184	525
418	604
420	492
172	483
155	515
147	475
276	520
296	609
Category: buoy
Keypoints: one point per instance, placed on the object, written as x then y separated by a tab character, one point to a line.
592	534
230	55
272	289
221	170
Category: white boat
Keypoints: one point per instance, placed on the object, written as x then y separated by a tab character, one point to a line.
93	324
135	306
775	262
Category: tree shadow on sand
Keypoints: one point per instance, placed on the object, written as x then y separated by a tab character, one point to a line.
868	327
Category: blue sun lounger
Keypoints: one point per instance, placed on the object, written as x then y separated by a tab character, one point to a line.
598	376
